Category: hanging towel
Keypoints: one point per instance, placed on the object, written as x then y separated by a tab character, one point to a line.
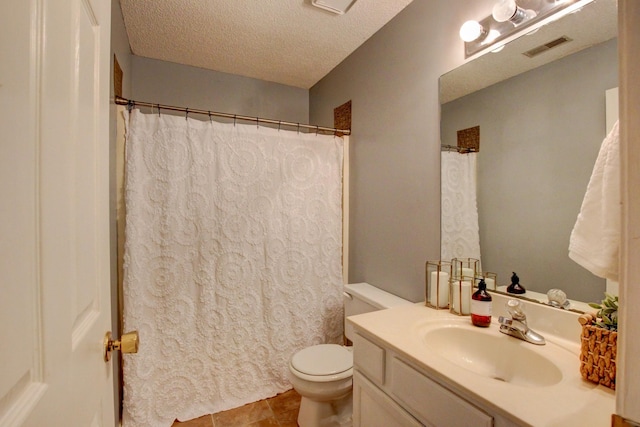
595	238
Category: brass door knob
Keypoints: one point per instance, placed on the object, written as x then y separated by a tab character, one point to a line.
128	343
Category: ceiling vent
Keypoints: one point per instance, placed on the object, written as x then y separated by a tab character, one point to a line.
547	46
336	6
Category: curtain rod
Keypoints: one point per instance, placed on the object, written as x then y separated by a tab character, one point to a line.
461	150
130	104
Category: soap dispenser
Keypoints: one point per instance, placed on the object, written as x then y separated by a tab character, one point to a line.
481	306
515	287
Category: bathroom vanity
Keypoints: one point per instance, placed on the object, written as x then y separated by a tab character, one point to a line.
415	365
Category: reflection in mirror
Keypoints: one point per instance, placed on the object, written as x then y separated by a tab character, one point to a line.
540	133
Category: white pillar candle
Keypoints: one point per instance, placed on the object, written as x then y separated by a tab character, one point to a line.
439	289
491	283
465	307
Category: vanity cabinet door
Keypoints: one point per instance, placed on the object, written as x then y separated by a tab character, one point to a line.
430	402
372	408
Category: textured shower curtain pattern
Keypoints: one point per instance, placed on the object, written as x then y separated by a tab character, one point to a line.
460	237
232	261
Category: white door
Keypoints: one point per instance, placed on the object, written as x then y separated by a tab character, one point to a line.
54	243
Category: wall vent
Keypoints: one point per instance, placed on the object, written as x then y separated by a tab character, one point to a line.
547	46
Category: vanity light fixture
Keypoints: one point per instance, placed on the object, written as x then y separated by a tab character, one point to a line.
510	19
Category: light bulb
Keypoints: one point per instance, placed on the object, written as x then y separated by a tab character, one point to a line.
508	10
504	10
493	34
471	30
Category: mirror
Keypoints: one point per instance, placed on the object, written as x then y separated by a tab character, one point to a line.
542	121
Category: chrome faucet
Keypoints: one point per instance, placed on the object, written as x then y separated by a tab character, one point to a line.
517	325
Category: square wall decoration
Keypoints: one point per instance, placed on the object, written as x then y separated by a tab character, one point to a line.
469	139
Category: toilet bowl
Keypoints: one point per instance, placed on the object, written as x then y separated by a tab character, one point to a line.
323	374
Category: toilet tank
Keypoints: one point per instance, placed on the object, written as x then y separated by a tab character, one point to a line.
362	298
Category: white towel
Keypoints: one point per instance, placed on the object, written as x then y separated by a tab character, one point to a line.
595	238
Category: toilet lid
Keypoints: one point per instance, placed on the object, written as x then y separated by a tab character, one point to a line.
323	359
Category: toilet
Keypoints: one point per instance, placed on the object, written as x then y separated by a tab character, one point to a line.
323	374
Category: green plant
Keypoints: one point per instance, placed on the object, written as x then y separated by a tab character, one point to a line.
607	315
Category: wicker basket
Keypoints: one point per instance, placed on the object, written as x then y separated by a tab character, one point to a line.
598	355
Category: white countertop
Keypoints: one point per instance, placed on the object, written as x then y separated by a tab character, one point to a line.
570	402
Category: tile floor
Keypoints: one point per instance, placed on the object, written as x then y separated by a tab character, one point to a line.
280	410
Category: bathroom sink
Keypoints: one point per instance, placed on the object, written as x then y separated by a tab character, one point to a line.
491	354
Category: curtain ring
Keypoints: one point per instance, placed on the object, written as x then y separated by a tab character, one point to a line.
257	122
234	120
186	113
158	110
298	127
130	105
210	118
279	124
317	128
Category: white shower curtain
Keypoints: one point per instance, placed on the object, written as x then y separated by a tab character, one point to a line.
232	261
460	236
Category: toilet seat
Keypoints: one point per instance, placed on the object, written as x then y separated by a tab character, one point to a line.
323	360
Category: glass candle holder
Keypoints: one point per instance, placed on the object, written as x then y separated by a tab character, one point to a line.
491	279
463	274
460	291
467	267
437	287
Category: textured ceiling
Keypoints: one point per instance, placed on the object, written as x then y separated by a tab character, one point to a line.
282	41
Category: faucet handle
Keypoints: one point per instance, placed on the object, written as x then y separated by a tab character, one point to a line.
504	321
516	309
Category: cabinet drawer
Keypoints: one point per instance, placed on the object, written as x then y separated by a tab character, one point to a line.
368	358
430	402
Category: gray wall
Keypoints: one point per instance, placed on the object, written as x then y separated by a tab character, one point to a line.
392	81
540	133
184	86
